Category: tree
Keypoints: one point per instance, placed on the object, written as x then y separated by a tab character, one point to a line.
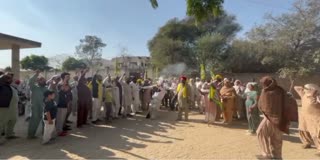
210	49
200	9
57	60
247	56
295	37
167	51
8	69
72	64
90	50
183	41
35	62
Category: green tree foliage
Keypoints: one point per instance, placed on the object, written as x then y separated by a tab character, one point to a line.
183	41
291	41
210	50
8	69
200	9
73	64
35	62
168	51
90	49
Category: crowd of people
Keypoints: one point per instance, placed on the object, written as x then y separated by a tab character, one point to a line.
266	106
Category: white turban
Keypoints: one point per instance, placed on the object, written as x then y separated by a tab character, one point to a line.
312	87
309	89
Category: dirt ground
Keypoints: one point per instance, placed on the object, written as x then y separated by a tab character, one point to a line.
138	138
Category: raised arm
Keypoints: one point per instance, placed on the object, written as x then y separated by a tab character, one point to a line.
32	80
148	87
82	76
299	90
94	81
106	80
204	89
122	78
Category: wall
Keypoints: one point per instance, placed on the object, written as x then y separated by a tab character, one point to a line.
285	83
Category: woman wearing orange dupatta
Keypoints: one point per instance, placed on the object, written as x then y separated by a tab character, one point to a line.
228	97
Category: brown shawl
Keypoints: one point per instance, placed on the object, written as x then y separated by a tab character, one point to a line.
227	90
272	103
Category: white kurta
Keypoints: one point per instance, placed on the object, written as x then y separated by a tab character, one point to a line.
136	97
127	97
156	102
116	105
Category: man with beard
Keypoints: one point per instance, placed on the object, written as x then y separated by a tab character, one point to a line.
8	107
272	103
37	87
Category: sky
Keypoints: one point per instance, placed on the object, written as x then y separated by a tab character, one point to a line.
60	24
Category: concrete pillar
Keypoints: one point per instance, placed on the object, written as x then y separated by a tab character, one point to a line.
15	61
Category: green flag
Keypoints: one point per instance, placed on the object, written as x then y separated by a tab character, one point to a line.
202	72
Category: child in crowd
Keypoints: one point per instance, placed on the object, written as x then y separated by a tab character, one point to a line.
50	112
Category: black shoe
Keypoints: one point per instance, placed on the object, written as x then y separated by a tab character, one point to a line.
2	134
148	116
12	137
95	122
69	122
66	128
27	119
129	115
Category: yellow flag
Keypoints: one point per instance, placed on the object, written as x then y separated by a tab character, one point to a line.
202	72
212	74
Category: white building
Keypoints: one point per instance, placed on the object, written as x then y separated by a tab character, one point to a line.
131	64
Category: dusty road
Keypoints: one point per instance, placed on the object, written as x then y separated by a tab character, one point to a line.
138	138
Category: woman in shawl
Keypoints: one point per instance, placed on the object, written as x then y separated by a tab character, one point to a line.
239	107
272	103
228	96
252	109
309	118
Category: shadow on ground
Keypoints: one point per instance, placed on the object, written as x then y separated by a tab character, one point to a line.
94	141
103	141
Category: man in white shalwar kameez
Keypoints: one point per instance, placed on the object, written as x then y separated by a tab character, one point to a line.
127	96
156	99
199	105
116	97
136	103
